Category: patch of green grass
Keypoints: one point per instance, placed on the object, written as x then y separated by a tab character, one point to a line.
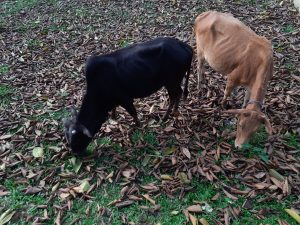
5	95
4	69
123	43
294	141
137	136
255	147
289	66
151	139
171	209
59	115
14	7
33	44
18	200
288	28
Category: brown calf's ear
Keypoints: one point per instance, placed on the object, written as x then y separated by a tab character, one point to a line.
267	123
235	111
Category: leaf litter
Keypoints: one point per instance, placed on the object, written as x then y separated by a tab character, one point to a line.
48	74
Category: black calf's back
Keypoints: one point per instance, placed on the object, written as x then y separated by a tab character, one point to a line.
141	69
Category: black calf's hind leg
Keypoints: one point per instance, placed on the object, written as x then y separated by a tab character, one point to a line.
132	111
166	116
174	95
113	113
176	101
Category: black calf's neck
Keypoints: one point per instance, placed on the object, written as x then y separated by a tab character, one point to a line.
93	113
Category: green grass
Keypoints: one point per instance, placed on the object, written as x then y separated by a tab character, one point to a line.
18	200
293	141
34	44
6	93
203	192
4	69
11	8
288	28
14	7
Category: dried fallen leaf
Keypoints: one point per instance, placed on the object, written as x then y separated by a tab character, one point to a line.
83	187
6	216
38	152
203	221
166	177
293	214
4	193
193	219
183	178
194	208
146	196
32	190
169	150
175	212
186	152
124	204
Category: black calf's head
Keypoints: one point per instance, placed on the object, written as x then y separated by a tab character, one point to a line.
77	135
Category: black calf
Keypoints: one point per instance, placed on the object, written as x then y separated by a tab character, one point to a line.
118	78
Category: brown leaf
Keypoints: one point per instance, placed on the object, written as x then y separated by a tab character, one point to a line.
193	219
186	152
194	208
32	190
146	196
124	204
230	195
4	193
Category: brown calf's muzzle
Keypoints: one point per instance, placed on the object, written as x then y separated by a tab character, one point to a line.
248	123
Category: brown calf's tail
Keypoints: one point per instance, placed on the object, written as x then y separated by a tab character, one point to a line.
185	90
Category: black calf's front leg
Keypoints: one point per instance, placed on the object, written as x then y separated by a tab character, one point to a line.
132	111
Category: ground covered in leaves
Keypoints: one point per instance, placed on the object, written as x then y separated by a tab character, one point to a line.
183	171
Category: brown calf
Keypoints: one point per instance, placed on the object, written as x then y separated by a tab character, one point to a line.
233	49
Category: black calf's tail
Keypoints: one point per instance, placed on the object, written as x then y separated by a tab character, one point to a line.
185	90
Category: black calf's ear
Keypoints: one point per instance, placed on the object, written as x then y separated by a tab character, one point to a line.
66	122
73	112
85	131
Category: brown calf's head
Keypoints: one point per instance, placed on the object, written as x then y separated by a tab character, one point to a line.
248	123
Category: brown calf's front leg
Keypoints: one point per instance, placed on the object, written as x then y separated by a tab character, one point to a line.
200	68
227	92
246	98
